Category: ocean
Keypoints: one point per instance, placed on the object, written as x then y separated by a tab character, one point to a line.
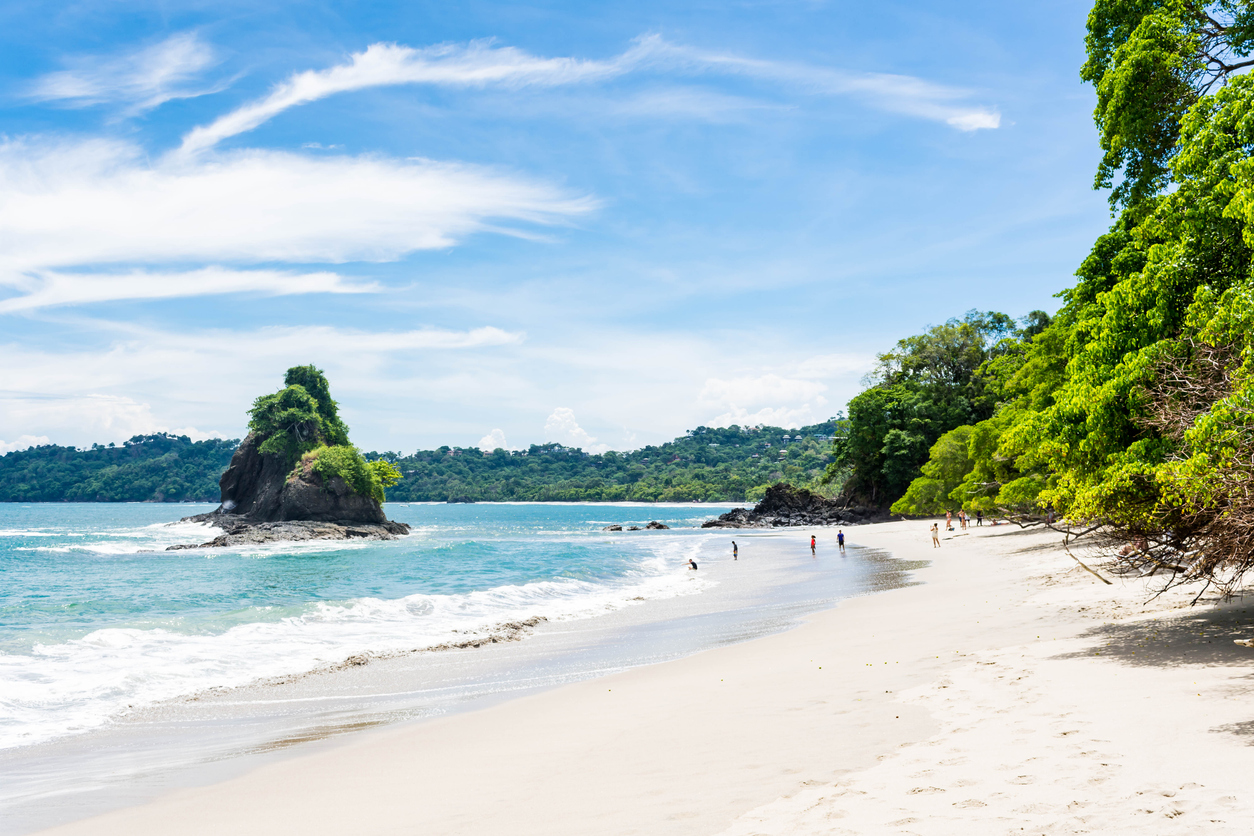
110	644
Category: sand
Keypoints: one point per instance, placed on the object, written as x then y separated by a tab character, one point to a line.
1010	691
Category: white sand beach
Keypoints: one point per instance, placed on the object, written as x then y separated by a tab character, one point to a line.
1008	692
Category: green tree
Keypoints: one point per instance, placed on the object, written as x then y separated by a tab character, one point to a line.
1150	61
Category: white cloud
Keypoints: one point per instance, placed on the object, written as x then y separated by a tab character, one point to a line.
163	381
475	64
493	441
767	399
479	64
903	94
50	289
98	202
562	427
834	365
23	442
143	79
785	417
751	391
100	417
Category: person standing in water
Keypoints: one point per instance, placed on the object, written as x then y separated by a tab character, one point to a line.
735	551
812	544
936	535
840	539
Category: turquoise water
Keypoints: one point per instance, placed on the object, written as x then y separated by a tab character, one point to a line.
97	620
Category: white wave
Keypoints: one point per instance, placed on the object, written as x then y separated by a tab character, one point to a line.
67	688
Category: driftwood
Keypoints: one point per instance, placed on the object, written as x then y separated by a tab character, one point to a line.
1082	564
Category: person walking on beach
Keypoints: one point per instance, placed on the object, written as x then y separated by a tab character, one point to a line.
840	539
979	518
936	535
812	544
735	551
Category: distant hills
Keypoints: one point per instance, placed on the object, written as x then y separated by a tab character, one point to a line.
731	464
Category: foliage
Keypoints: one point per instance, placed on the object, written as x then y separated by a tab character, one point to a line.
948	463
1133	409
147	468
928	385
1150	61
299	417
730	464
347	463
738	469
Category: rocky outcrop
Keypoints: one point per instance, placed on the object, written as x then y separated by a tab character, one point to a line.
783	505
653	526
241	531
264	501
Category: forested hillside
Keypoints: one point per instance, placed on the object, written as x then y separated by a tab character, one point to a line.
731	464
147	468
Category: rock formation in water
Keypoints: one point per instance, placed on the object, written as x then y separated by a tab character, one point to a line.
784	505
296	477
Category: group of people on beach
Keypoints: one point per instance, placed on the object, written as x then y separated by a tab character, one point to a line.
814	545
964	520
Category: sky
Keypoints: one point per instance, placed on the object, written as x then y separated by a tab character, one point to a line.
499	224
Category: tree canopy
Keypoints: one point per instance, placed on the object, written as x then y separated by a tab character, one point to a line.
301	423
1133	409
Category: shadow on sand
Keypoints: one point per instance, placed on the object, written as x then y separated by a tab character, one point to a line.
1202	636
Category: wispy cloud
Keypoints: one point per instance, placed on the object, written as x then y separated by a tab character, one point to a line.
141	80
903	94
97	203
54	289
478	63
481	64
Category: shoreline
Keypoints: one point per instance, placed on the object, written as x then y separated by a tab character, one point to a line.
216	733
940	704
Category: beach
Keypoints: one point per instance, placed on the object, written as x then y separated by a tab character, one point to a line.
1007	691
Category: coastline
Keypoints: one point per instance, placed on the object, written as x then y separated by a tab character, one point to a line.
1008	688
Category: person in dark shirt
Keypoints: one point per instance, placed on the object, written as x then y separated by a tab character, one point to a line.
692	564
735	551
840	539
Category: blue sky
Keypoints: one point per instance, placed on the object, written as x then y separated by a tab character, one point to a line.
600	224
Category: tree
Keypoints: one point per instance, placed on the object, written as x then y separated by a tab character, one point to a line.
1150	61
926	386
